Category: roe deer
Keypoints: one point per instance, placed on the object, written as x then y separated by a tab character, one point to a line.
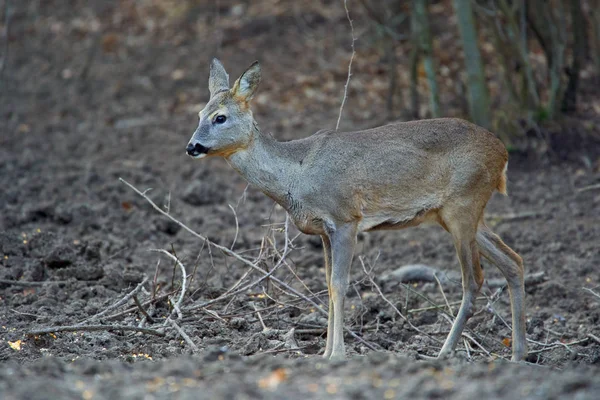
336	184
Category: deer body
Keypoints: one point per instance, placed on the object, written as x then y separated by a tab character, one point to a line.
336	184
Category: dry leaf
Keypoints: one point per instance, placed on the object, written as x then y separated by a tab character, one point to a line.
110	42
178	74
506	341
274	379
15	345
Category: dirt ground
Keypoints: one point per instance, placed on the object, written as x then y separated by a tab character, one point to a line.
97	91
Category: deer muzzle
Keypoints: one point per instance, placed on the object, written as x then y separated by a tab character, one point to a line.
196	150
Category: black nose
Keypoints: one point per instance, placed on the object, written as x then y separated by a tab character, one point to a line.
195	149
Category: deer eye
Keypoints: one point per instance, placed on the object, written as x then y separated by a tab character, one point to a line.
220	119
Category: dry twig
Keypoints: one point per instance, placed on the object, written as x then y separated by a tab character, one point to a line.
32	284
244	260
592	292
184	335
118	304
92	328
392	304
142	309
589	187
337	125
257	311
176	306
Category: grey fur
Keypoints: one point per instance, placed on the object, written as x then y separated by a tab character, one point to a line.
336	184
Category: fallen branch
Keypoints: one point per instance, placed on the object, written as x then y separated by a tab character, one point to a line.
392	304
249	263
592	292
515	216
93	328
425	273
183	279
42	283
590	187
184	335
530	280
476	343
117	304
31	284
142	309
257	311
159	298
556	345
416	273
594	338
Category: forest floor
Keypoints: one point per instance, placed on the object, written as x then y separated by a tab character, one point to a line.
97	91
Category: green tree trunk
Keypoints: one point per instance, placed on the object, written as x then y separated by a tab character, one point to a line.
479	104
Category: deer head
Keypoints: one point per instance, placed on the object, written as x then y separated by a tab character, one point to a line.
226	123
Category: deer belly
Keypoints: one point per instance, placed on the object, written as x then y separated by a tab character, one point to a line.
397	220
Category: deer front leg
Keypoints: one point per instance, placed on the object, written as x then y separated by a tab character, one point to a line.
328	265
343	240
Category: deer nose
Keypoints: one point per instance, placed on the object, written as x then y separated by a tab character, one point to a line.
195	149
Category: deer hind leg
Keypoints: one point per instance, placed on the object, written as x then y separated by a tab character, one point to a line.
463	229
511	266
330	318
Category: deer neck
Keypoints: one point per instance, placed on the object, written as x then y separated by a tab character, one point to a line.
268	165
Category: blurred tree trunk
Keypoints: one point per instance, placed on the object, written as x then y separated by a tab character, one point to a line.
478	95
569	101
517	36
393	64
388	20
595	23
414	65
426	47
558	44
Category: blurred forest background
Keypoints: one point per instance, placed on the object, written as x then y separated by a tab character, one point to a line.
528	70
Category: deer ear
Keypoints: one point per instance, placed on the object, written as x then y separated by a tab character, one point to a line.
218	80
245	87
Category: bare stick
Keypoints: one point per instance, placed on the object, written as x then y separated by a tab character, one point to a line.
154	280
392	304
530	280
472	339
594	338
93	328
349	66
142	309
237	226
515	216
590	187
184	335
183	279
131	309
31	284
444	295
257	311
556	345
117	304
592	292
249	263
28	314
